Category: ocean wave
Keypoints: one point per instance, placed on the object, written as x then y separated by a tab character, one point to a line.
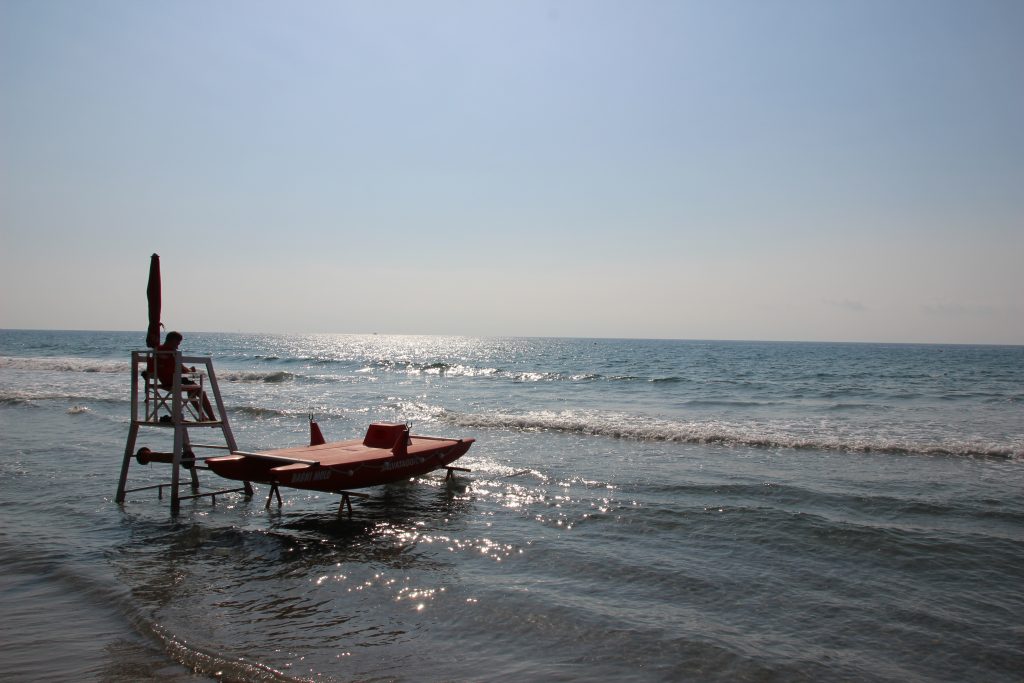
727	403
28	398
269	377
469	370
62	364
214	664
262	412
721	433
447	369
1012	398
840	407
81	404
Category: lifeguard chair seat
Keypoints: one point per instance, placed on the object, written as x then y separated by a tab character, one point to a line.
159	398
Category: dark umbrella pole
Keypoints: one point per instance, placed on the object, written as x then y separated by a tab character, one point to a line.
153	296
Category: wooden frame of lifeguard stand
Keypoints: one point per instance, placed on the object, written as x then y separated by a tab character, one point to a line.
173	408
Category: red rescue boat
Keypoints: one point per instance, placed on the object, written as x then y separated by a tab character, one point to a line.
387	453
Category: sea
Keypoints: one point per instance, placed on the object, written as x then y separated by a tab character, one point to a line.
636	510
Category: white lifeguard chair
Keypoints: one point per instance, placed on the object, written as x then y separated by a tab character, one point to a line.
178	407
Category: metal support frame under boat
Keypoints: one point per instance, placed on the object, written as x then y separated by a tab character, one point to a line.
452	470
177	415
346	498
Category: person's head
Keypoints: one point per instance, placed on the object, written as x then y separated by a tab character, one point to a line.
173	339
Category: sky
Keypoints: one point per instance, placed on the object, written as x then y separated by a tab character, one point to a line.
719	169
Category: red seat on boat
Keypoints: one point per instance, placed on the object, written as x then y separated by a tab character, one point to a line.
384	435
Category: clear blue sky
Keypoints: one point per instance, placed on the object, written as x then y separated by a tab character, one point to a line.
756	169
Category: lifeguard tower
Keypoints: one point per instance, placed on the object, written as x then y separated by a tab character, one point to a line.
177	408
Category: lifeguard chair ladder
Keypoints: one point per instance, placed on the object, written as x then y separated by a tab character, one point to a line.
178	408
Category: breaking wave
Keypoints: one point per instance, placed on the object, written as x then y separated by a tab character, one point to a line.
268	377
768	436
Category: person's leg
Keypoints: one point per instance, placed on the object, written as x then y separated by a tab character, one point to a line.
191	391
204	410
208	408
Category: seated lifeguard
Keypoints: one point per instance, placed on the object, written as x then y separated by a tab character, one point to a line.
165	376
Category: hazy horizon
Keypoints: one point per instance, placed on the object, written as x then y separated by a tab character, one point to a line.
733	170
142	335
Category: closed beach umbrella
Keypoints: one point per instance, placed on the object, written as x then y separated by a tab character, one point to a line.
153	295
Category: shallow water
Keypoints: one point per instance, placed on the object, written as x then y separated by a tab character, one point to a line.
637	510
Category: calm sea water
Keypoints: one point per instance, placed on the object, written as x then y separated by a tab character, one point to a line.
637	511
